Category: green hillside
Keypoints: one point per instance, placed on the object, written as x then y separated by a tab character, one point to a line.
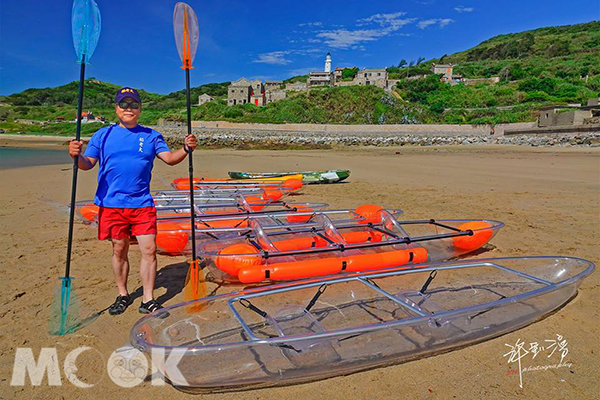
554	65
538	67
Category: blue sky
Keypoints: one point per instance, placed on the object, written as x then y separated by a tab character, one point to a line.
256	39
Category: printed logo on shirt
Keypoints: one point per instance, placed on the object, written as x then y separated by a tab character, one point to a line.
141	150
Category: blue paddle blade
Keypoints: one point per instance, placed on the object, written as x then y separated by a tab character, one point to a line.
64	314
85	24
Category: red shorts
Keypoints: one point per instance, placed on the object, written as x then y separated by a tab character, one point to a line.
121	223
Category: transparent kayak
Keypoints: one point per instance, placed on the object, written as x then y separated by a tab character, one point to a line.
174	232
324	327
292	181
321	246
179	205
308	177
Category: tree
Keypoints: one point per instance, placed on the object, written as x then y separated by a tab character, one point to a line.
349	73
409	65
402	63
560	48
420	60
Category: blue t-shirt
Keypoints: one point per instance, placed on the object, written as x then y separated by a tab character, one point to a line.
126	158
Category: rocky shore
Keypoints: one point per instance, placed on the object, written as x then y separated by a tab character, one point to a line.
267	139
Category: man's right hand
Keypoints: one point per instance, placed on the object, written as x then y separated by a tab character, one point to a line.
75	148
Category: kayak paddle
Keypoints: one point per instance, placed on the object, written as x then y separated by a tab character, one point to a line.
85	24
185	25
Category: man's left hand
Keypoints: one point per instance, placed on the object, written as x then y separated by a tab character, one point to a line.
191	142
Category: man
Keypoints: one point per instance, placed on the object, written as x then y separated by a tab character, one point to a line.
126	153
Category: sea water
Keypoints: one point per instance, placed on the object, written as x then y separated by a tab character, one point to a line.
14	157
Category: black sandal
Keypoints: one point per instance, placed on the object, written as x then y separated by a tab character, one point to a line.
152	306
120	305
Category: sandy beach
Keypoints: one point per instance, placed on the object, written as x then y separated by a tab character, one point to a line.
549	199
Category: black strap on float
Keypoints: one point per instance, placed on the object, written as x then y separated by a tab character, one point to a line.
325	238
250	306
241	222
209	227
372	282
246	303
432	276
382	230
316	296
433	222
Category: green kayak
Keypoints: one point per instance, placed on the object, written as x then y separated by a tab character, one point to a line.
330	176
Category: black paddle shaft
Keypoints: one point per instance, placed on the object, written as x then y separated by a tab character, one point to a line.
190	162
75	168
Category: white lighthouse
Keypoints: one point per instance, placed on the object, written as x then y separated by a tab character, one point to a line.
328	63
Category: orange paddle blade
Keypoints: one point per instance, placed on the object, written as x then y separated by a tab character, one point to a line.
185	25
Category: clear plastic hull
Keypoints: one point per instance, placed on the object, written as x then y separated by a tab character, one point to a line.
280	335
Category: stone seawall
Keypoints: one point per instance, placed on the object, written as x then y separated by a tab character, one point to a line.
295	139
332	129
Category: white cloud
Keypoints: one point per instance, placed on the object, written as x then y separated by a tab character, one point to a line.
463	9
311	24
445	21
345	38
273	57
381	19
429	22
425	23
310	51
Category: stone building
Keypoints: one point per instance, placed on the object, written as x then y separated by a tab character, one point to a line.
295	86
273	85
372	77
337	75
571	114
274	91
448	73
446	69
319	78
244	91
239	92
275	95
257	93
204	98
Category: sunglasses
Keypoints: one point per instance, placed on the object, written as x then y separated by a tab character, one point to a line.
125	105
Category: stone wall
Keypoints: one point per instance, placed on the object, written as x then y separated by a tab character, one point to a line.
423	135
440	129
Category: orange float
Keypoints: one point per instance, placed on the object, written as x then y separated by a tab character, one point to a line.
251	270
89	212
298	219
243	260
171	239
370	213
481	235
